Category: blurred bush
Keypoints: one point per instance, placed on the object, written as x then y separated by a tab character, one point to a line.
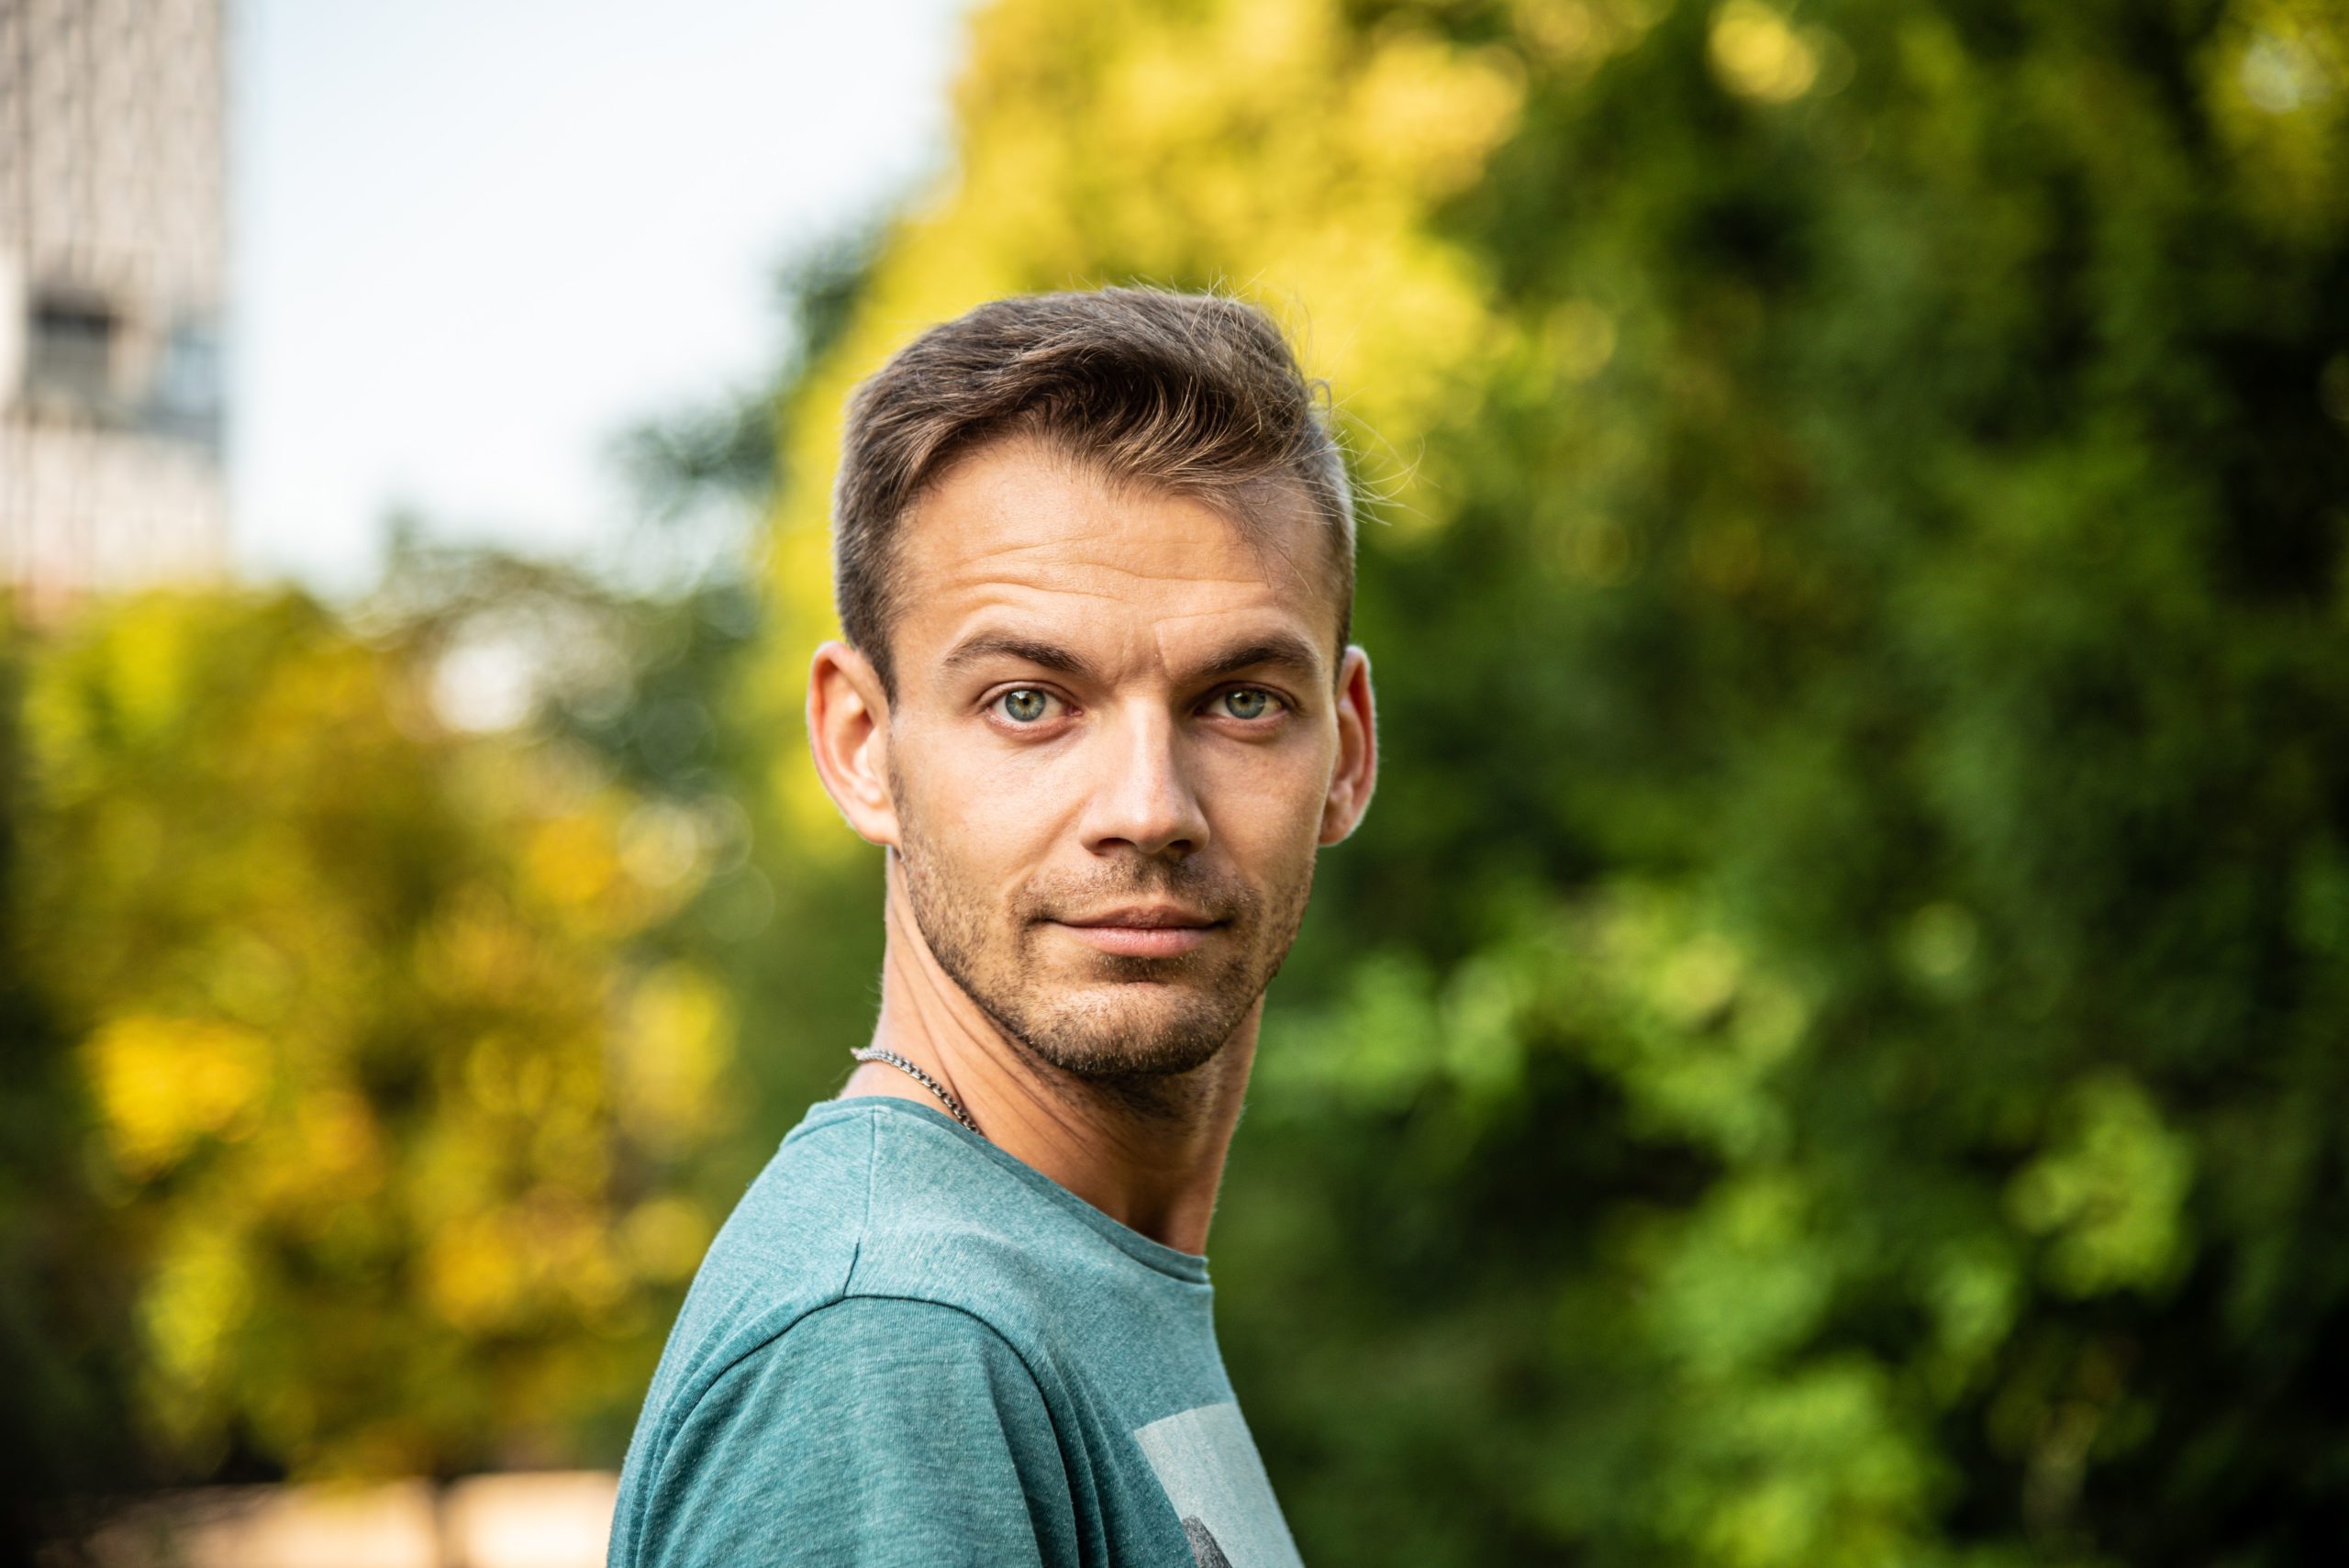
387	1079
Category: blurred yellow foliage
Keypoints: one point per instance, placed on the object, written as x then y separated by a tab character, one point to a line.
673	1054
1757	53
162	1083
200	1294
667	1236
2277	81
365	1039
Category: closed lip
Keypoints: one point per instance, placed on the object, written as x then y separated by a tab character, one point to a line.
1144	917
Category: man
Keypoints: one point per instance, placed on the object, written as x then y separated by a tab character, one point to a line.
1094	564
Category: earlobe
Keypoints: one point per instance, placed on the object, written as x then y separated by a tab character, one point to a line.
848	735
1356	774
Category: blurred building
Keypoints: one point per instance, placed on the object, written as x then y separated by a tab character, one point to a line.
113	244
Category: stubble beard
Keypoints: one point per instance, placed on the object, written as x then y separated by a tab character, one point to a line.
1125	1025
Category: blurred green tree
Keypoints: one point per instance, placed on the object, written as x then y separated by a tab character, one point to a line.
1828	1050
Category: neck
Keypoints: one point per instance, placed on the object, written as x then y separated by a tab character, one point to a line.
1152	1162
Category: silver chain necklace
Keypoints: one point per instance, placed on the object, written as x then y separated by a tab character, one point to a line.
874	1053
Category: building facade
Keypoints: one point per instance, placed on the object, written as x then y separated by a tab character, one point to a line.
113	256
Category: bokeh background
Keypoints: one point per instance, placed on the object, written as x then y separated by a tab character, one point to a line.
1829	1049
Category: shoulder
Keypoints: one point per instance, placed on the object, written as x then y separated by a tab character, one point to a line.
863	1359
888	1429
861	1201
792	1240
874	1197
786	1250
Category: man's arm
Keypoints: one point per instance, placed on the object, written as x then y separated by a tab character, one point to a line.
875	1433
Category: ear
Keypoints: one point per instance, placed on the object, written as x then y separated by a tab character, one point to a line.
1357	770
848	731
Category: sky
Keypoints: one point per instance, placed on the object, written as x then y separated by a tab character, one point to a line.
474	239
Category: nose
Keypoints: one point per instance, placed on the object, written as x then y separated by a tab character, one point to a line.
1143	799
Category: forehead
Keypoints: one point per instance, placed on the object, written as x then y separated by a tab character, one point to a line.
1019	534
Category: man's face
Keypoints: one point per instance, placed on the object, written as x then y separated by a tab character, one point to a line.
1110	754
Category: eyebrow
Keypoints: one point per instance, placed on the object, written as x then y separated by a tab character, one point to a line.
1044	655
1280	650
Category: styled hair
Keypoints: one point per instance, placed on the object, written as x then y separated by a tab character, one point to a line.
1195	394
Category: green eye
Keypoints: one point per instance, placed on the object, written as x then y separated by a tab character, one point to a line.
1248	703
1025	705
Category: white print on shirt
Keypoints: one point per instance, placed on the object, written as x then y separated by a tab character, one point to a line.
1208	1464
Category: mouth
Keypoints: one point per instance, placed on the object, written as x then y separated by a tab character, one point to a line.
1141	931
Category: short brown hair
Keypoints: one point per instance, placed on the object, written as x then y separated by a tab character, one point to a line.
1194	393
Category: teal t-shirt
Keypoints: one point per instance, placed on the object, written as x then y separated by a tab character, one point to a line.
906	1347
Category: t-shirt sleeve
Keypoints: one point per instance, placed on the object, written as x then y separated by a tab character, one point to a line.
872	1432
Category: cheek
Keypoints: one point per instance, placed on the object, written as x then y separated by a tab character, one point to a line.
991	815
1266	805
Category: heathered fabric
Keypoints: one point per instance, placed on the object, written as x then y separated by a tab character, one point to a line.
905	1347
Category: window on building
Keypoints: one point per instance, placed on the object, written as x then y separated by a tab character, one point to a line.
72	347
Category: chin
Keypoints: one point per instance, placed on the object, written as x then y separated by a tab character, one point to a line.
1108	1038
